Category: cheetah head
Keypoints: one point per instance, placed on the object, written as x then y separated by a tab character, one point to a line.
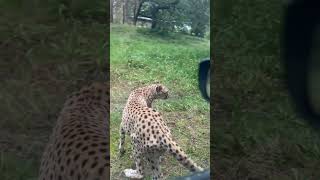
161	92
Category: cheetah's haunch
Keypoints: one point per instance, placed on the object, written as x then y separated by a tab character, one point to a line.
79	145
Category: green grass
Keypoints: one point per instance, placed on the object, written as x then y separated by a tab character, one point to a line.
24	170
139	57
257	133
42	61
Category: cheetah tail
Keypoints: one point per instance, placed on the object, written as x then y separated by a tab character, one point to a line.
181	156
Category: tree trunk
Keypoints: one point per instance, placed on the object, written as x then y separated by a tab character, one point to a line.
124	11
155	9
154	13
134	9
111	11
137	12
154	24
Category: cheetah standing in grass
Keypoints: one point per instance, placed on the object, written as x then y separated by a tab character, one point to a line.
150	135
78	148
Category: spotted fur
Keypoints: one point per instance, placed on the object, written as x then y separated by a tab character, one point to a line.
78	148
150	136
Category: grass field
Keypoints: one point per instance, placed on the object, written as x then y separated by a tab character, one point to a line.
139	58
257	134
41	62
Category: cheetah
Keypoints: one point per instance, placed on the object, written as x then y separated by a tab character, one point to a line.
78	148
150	136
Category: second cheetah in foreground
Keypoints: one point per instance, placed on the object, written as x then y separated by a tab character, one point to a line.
78	148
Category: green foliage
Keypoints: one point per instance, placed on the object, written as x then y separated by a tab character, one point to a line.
13	168
80	9
176	17
170	52
196	12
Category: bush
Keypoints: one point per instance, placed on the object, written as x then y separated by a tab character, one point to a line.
80	9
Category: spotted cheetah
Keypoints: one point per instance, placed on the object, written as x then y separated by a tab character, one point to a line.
78	148
150	136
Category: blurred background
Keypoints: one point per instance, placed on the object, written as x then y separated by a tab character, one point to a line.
257	133
48	49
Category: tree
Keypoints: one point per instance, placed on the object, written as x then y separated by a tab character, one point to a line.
152	9
125	11
111	11
156	7
137	4
199	15
166	15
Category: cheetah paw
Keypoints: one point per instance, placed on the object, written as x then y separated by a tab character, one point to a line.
200	169
130	173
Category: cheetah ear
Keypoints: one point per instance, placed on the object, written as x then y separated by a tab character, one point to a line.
158	88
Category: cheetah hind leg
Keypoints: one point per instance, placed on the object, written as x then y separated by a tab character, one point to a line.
155	166
135	174
138	173
121	143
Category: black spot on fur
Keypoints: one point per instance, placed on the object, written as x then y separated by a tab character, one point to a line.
84	162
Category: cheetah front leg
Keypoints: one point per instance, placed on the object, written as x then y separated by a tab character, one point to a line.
138	172
122	140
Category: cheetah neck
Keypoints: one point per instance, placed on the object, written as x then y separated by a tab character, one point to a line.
149	102
143	98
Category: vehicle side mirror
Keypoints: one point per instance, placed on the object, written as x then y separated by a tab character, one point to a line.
204	79
301	53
